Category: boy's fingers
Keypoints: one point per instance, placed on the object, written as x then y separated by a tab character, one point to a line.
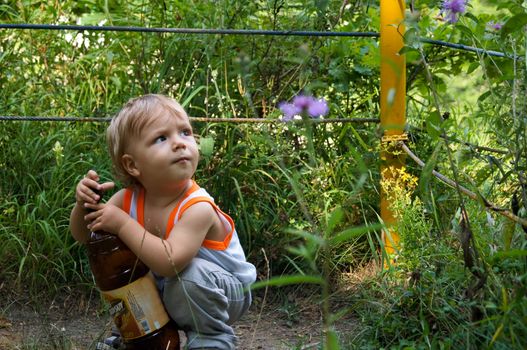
92	211
90	183
107	186
89	206
95	206
92	174
91	195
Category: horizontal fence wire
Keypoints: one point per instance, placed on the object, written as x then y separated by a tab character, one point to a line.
244	32
184	30
193	119
240	121
470	49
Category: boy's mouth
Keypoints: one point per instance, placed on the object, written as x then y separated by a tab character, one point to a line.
181	159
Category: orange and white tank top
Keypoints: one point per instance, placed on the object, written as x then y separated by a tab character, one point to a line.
228	253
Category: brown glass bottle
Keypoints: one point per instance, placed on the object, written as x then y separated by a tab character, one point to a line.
135	305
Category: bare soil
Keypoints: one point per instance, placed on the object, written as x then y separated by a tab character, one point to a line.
288	322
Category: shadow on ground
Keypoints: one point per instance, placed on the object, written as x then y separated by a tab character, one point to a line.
77	324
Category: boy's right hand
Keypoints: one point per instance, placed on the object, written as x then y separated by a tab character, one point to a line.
85	191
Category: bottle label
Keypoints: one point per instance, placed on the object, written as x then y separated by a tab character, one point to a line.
136	308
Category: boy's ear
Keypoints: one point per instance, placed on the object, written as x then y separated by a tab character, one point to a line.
129	165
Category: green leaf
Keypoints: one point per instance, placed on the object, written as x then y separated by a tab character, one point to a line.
424	324
473	66
300	251
288	280
355	232
335	218
464	30
514	24
426	175
484	96
92	18
507	233
321	5
332	340
514	253
362	69
411	38
408	49
433	125
310	237
472	17
504	4
206	146
191	96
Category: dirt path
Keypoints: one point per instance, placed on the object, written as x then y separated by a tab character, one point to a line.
294	324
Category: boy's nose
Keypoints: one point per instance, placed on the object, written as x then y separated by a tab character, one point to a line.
178	142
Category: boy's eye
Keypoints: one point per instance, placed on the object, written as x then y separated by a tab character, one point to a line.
160	139
186	132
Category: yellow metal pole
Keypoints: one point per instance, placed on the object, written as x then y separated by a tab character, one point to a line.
392	103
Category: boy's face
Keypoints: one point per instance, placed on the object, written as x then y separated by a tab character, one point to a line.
165	154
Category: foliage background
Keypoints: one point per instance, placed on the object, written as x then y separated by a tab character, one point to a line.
293	208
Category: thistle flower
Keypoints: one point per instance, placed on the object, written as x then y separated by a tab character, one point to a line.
303	101
318	108
289	110
494	25
453	8
303	104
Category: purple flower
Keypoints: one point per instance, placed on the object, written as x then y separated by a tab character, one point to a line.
289	110
303	101
457	6
318	108
304	105
453	8
495	26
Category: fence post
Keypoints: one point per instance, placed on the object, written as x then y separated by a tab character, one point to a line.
393	106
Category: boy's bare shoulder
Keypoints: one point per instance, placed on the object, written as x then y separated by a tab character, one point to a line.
118	198
200	209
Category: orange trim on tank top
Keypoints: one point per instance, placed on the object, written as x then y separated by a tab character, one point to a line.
141	207
208	243
170	224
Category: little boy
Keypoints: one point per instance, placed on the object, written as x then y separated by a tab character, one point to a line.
168	221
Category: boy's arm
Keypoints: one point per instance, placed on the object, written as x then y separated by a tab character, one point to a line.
164	257
187	236
78	228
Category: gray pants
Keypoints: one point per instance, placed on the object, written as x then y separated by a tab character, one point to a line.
205	300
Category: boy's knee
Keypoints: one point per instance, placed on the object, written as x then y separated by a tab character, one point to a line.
196	275
193	290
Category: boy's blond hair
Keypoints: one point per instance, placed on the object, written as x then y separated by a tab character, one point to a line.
137	113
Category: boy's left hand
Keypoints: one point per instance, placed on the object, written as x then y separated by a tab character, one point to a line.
105	217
